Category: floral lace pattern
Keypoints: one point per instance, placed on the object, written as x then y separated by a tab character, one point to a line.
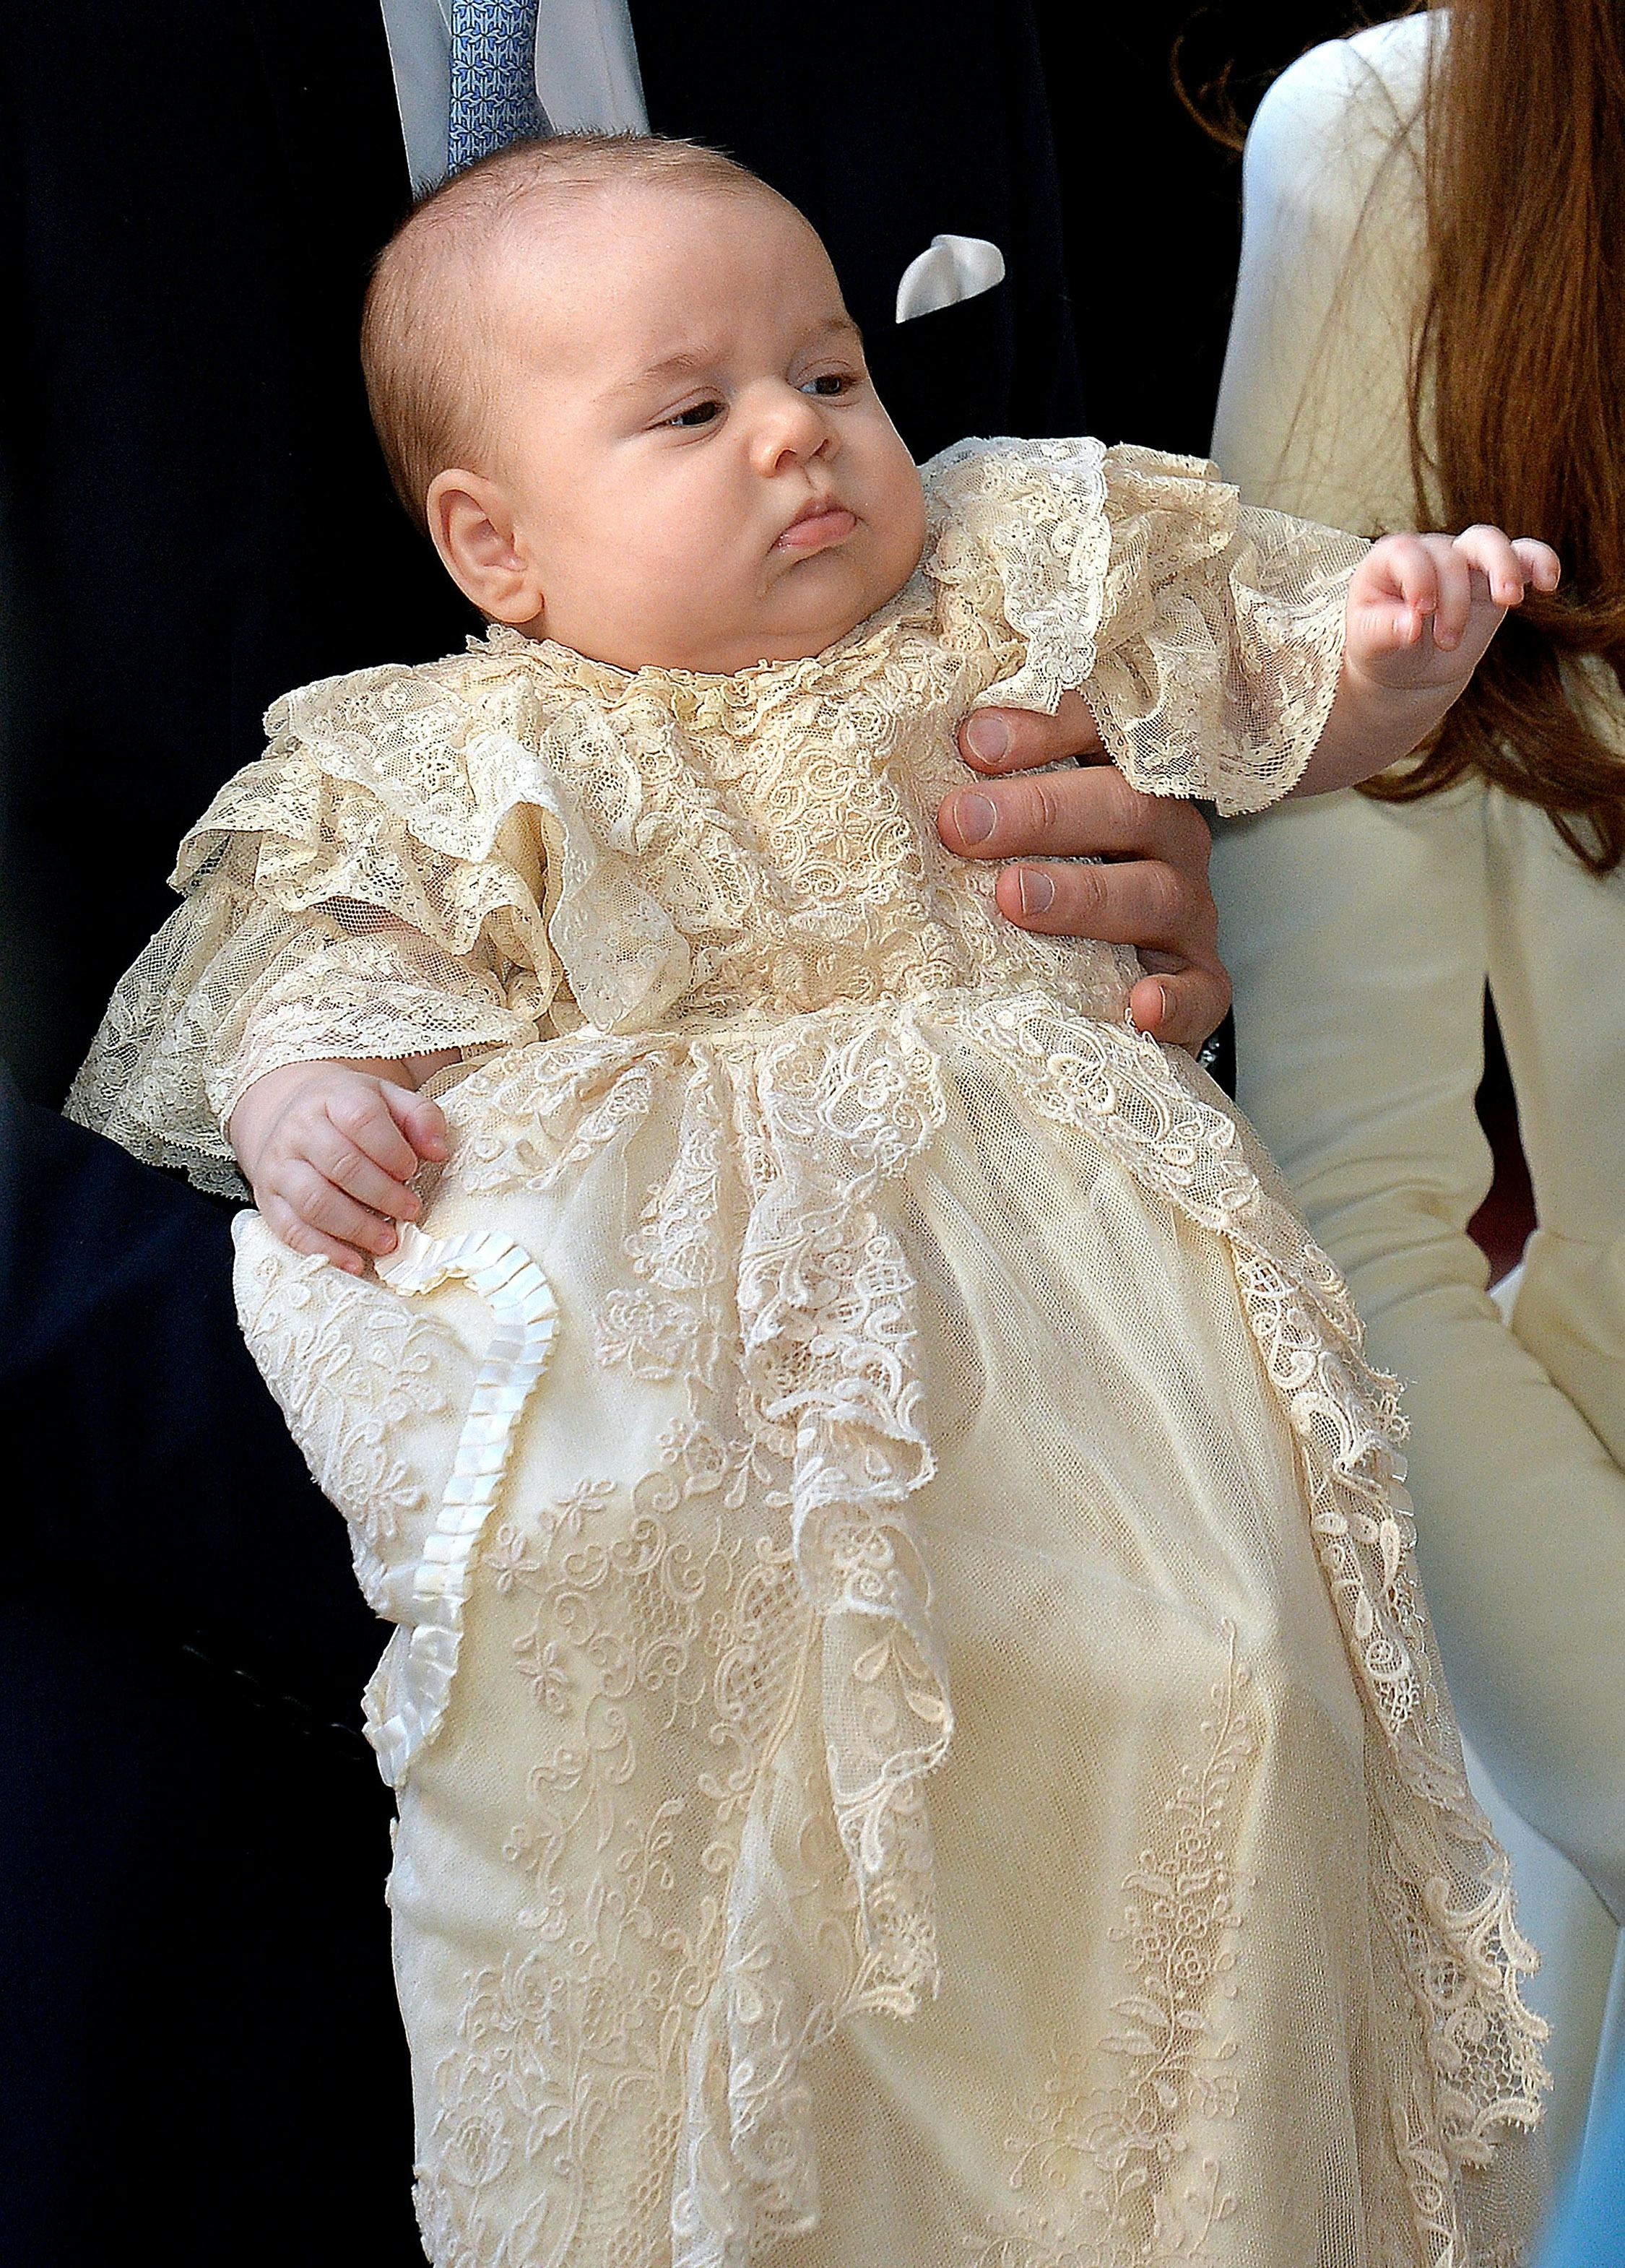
1448	1899
806	1343
1143	579
1093	2168
351	1368
764	1280
663	1596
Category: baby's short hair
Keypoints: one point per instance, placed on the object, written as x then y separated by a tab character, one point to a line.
421	327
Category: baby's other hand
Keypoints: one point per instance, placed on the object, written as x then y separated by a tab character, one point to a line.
329	1149
1422	609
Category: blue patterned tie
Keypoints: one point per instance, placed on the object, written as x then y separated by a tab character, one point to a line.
493	78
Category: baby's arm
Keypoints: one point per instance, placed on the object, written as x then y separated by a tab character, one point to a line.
1421	611
329	1149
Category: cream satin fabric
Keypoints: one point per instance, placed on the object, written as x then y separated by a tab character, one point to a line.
1361	937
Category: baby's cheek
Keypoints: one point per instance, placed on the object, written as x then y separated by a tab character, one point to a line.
909	522
896	520
603	593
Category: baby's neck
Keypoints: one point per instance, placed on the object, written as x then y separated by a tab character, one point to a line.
733	655
698	660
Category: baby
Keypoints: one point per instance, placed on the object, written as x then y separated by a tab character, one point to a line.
841	1360
680	464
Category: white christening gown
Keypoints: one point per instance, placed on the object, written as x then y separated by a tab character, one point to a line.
917	1735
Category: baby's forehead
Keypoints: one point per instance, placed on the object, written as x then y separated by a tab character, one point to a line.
591	234
633	261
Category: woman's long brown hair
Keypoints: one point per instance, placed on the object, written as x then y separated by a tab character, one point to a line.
1517	385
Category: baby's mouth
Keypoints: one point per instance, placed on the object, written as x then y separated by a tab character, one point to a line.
820	523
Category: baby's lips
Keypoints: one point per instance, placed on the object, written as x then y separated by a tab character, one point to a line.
816	531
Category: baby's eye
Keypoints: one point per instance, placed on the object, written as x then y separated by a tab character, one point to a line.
831	384
701	413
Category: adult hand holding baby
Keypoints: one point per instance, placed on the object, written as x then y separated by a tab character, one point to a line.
330	1148
1150	891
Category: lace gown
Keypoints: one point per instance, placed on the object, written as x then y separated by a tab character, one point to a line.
916	1735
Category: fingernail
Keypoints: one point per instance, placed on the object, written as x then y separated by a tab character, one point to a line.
1036	891
990	738
388	1241
976	816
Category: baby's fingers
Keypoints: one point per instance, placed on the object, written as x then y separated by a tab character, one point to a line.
1453	607
281	1218
351	1169
421	1121
322	1206
1497	559
1539	562
1406	569
362	1116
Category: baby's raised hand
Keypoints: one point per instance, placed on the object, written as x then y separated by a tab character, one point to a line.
1422	609
329	1148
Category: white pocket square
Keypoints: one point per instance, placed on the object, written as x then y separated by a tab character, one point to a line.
956	268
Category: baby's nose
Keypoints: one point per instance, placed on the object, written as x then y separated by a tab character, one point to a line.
793	431
795	454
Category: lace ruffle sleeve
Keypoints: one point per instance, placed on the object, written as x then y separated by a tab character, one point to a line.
1205	635
375	886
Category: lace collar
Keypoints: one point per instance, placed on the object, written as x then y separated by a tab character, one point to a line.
693	694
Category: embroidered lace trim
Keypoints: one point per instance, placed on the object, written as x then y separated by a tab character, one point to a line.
1180	1930
1205	635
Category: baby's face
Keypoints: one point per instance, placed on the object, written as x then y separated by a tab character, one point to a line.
693	468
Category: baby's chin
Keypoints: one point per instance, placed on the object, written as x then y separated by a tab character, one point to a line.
802	614
787	616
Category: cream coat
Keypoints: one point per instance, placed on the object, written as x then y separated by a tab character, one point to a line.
1362	938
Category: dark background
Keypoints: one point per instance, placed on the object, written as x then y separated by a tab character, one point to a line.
1151	202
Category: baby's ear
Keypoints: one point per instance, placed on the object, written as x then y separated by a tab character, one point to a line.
472	527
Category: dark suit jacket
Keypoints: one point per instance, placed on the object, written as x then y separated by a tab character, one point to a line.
195	2005
195	1999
